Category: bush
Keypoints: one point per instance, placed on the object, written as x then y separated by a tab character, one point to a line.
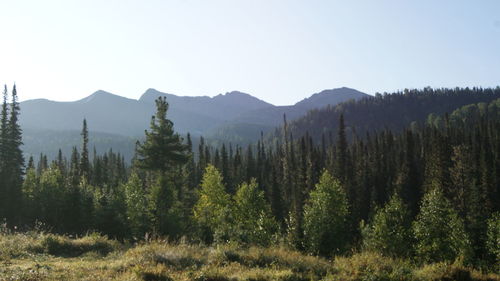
66	247
370	266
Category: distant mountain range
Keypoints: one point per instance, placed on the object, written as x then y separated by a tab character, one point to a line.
234	116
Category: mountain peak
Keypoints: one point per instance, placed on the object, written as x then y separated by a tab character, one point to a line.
101	96
331	96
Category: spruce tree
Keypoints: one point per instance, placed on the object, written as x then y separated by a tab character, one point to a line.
341	152
163	153
163	148
14	168
84	158
4	150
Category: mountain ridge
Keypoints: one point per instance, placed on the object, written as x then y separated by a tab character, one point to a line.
235	115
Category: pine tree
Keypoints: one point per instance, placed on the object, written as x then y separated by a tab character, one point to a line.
4	150
84	158
163	148
408	181
163	153
341	152
14	161
74	169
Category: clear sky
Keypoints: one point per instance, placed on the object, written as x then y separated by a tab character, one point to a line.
279	51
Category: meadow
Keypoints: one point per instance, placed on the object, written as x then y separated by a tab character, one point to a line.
33	256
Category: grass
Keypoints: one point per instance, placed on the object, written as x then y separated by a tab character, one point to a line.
36	256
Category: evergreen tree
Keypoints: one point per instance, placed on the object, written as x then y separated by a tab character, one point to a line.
341	151
13	168
163	153
74	169
164	208
84	158
163	148
408	181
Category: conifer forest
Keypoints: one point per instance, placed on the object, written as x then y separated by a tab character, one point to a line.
397	186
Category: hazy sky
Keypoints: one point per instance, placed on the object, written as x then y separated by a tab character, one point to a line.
279	51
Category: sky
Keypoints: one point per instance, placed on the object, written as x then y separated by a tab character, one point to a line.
280	51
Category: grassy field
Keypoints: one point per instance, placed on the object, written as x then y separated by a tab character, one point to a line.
38	256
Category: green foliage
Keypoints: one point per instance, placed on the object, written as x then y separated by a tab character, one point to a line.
161	198
162	148
370	266
493	240
213	207
439	232
137	207
164	208
65	247
253	222
325	216
39	256
390	231
11	159
51	196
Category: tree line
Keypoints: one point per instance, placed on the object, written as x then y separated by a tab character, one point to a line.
430	191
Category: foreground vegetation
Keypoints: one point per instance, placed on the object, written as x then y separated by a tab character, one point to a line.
41	256
427	197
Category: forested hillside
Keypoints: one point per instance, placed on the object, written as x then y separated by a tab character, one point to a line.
394	111
427	191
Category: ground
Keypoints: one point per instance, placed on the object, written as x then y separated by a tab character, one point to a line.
37	256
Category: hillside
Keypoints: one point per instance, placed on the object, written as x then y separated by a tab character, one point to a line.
247	127
393	111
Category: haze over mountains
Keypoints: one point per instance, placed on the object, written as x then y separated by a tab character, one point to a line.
117	122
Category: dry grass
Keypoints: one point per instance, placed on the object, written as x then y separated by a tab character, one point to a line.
39	256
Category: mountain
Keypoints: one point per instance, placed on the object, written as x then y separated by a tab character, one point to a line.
235	116
247	126
221	107
104	112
